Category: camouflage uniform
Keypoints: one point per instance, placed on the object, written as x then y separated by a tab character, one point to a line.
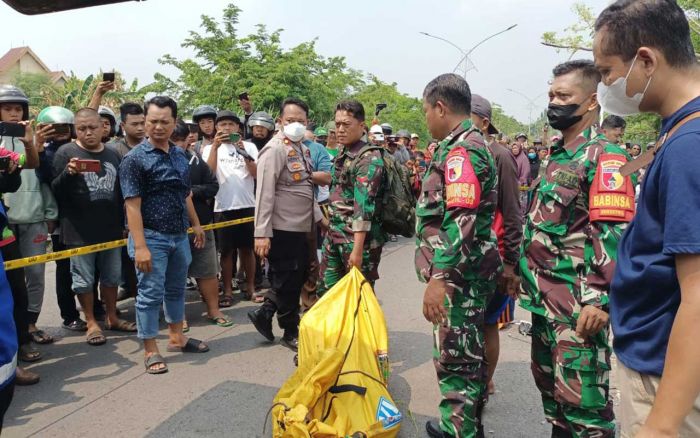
456	244
353	207
568	262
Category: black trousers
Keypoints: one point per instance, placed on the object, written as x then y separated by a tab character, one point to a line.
6	394
15	277
64	285
288	260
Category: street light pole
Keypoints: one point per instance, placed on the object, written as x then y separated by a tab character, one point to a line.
466	53
531	105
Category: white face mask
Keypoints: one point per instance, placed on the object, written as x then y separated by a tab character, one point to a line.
614	99
295	131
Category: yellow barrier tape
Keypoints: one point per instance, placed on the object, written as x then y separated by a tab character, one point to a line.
60	255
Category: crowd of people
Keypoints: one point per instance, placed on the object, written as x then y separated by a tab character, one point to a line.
589	233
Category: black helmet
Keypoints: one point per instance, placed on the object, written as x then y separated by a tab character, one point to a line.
228	115
261	118
12	94
202	112
387	129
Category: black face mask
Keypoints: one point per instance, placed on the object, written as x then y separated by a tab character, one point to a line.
562	116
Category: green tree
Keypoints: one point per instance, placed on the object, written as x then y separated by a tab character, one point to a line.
402	111
579	37
505	123
226	64
75	93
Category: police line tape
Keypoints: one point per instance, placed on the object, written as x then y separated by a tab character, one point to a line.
68	253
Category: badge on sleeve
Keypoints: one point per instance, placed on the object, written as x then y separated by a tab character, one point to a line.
611	196
462	187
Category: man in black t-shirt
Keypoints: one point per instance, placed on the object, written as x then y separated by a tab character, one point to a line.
91	211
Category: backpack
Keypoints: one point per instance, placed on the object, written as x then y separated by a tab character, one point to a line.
398	203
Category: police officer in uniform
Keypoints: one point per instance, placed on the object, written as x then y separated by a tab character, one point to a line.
284	212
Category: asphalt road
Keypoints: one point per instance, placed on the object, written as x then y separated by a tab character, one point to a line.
103	391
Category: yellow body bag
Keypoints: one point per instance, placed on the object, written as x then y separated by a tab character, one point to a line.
340	387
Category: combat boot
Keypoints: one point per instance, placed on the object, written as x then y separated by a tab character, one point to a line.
434	431
262	321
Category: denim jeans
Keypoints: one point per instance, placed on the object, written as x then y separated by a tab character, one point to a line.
165	284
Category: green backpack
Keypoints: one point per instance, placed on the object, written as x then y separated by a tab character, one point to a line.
398	205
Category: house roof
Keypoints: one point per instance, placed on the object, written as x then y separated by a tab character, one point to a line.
13	56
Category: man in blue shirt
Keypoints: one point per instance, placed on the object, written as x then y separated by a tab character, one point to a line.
655	294
321	177
155	182
8	337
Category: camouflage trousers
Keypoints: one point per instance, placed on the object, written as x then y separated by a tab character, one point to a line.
572	375
334	264
458	356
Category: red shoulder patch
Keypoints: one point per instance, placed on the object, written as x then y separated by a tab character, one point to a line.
462	187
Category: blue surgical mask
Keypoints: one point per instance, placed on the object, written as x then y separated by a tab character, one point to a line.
531	155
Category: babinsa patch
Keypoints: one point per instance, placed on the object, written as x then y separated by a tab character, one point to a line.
462	187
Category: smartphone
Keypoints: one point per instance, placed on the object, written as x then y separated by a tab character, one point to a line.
244	154
88	165
378	108
61	129
12	130
108	77
234	138
5	163
243	96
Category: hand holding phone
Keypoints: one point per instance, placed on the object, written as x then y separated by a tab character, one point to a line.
234	138
379	108
17	130
83	166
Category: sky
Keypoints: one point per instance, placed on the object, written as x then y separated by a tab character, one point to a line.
381	37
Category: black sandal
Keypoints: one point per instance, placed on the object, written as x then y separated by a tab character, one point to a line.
155	359
192	346
41	337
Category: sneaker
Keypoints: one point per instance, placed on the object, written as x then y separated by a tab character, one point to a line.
262	322
75	326
191	284
393	238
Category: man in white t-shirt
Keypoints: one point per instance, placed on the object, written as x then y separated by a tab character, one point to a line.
235	168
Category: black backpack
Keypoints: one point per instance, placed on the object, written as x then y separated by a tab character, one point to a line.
398	207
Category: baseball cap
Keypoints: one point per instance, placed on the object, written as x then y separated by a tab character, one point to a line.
482	108
321	132
522	134
330	126
403	134
414	135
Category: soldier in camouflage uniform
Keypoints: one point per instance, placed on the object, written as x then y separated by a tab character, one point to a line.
581	205
457	253
355	236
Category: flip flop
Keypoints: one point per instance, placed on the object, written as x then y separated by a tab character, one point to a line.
155	359
122	326
185	326
192	346
221	321
96	337
29	353
40	337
